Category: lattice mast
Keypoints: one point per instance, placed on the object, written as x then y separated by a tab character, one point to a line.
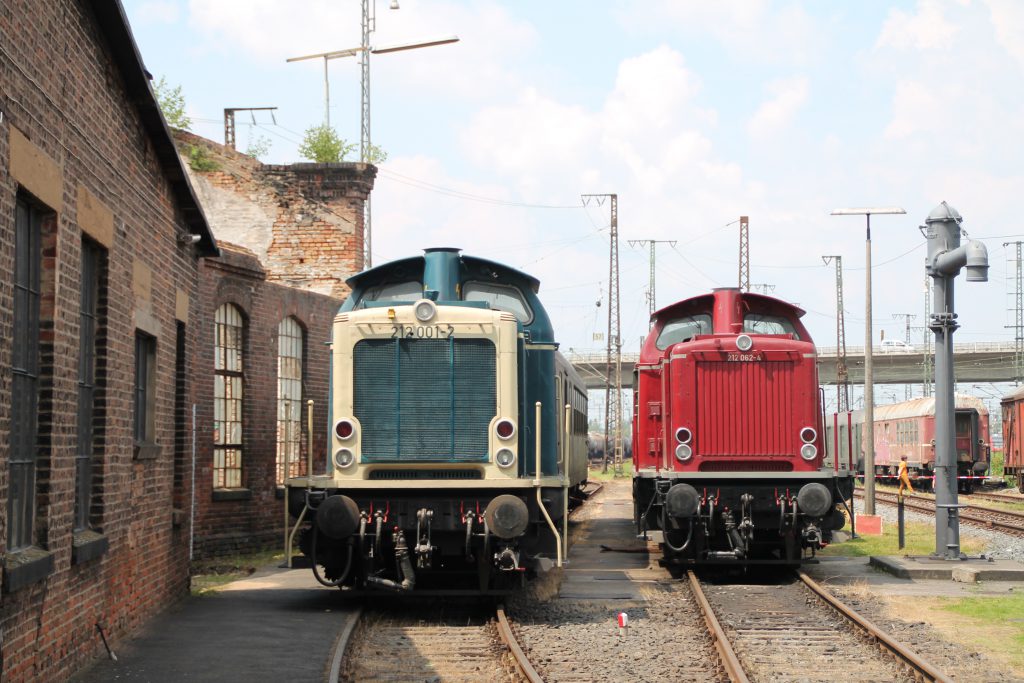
613	378
744	254
842	373
369	25
652	305
907	318
1018	315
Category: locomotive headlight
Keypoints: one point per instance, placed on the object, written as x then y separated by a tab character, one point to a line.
808	435
808	451
683	452
683	435
505	457
505	429
425	310
343	458
744	342
344	429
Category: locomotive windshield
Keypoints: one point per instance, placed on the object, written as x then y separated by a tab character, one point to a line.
394	291
683	329
499	297
766	323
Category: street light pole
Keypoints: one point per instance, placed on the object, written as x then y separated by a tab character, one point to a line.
869	380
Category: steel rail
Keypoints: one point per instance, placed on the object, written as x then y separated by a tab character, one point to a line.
341	646
730	662
972	514
509	638
901	651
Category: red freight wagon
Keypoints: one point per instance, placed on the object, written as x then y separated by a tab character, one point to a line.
1013	436
727	434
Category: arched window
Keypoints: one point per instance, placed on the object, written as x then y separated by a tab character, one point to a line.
289	400
227	398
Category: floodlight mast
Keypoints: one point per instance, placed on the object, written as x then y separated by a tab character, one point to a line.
869	380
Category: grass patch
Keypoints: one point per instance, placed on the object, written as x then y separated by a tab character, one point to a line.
920	540
991	625
996	464
210	574
595	473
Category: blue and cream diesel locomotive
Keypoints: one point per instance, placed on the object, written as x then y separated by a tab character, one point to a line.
457	431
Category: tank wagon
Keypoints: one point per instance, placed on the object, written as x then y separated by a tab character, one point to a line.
728	446
908	428
457	431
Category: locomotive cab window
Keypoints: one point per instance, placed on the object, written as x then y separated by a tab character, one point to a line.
394	291
683	329
766	323
499	297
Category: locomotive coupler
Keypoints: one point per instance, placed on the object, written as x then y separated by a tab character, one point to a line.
424	550
403	567
507	559
468	520
739	546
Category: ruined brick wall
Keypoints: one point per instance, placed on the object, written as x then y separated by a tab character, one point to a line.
233	520
71	142
304	222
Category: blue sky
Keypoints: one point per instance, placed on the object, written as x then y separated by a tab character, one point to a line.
693	112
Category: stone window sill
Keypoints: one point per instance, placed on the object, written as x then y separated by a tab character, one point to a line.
25	567
147	450
88	545
232	494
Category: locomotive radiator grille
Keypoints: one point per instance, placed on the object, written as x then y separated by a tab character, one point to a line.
745	408
424	399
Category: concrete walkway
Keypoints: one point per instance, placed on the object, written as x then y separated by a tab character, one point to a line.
276	625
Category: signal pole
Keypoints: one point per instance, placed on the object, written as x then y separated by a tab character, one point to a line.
744	254
907	317
612	386
651	306
842	374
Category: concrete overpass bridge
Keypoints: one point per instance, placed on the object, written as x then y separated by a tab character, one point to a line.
973	362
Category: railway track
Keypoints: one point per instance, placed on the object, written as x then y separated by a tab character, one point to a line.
437	644
800	632
1006	521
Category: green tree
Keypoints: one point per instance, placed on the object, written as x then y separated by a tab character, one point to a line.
258	147
323	145
172	104
377	155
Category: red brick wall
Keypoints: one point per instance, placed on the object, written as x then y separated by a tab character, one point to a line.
225	526
61	91
304	222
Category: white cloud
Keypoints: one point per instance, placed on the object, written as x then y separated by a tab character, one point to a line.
755	30
927	29
917	108
776	113
1008	23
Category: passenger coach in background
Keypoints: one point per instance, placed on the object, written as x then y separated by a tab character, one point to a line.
727	434
908	428
458	432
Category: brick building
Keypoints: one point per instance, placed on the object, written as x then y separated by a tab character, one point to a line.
290	237
101	238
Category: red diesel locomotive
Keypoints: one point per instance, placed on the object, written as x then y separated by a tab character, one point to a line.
728	449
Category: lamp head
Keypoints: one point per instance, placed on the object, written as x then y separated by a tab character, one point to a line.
394	4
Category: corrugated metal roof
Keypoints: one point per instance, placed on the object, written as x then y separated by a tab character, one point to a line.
920	407
1015	395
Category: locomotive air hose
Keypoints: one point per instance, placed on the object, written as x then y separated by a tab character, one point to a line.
664	533
316	572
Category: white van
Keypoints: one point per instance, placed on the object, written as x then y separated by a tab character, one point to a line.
896	346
